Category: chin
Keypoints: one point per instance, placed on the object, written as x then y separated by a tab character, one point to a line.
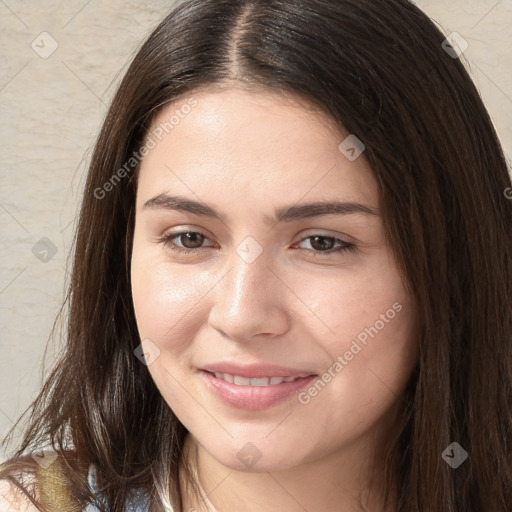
255	457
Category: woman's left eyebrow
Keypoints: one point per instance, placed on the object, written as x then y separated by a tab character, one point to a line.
283	214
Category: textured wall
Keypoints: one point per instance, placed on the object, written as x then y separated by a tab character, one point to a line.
59	63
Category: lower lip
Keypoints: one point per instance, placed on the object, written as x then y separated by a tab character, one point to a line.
254	398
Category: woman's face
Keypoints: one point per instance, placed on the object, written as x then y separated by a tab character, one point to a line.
287	275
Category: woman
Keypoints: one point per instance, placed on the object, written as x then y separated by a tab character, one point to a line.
292	276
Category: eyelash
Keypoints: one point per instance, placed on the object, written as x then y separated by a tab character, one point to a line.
166	240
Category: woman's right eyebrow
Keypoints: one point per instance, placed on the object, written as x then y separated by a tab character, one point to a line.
166	202
284	214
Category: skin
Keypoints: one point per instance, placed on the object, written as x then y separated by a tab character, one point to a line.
246	154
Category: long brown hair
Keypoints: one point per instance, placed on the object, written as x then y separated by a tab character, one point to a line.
381	71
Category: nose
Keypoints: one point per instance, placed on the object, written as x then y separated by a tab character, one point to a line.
250	301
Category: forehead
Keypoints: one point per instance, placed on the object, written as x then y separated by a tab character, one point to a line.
260	144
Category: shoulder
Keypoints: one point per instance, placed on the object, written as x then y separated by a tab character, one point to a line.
13	499
17	481
43	476
33	475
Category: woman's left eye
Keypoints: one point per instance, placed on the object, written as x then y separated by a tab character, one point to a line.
322	244
192	241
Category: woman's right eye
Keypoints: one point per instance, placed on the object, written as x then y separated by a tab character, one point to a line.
187	239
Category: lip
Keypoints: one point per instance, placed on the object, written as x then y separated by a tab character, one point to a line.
256	370
254	398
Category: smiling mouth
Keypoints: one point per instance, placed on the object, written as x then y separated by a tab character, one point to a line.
239	380
254	393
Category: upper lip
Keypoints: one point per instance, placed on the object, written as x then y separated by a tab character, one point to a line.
256	370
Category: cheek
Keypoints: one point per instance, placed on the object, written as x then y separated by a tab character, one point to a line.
169	311
344	303
371	358
370	321
167	300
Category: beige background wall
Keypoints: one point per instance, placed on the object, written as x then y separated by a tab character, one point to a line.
51	108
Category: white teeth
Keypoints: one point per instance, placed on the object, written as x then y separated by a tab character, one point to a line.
264	381
257	381
241	381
